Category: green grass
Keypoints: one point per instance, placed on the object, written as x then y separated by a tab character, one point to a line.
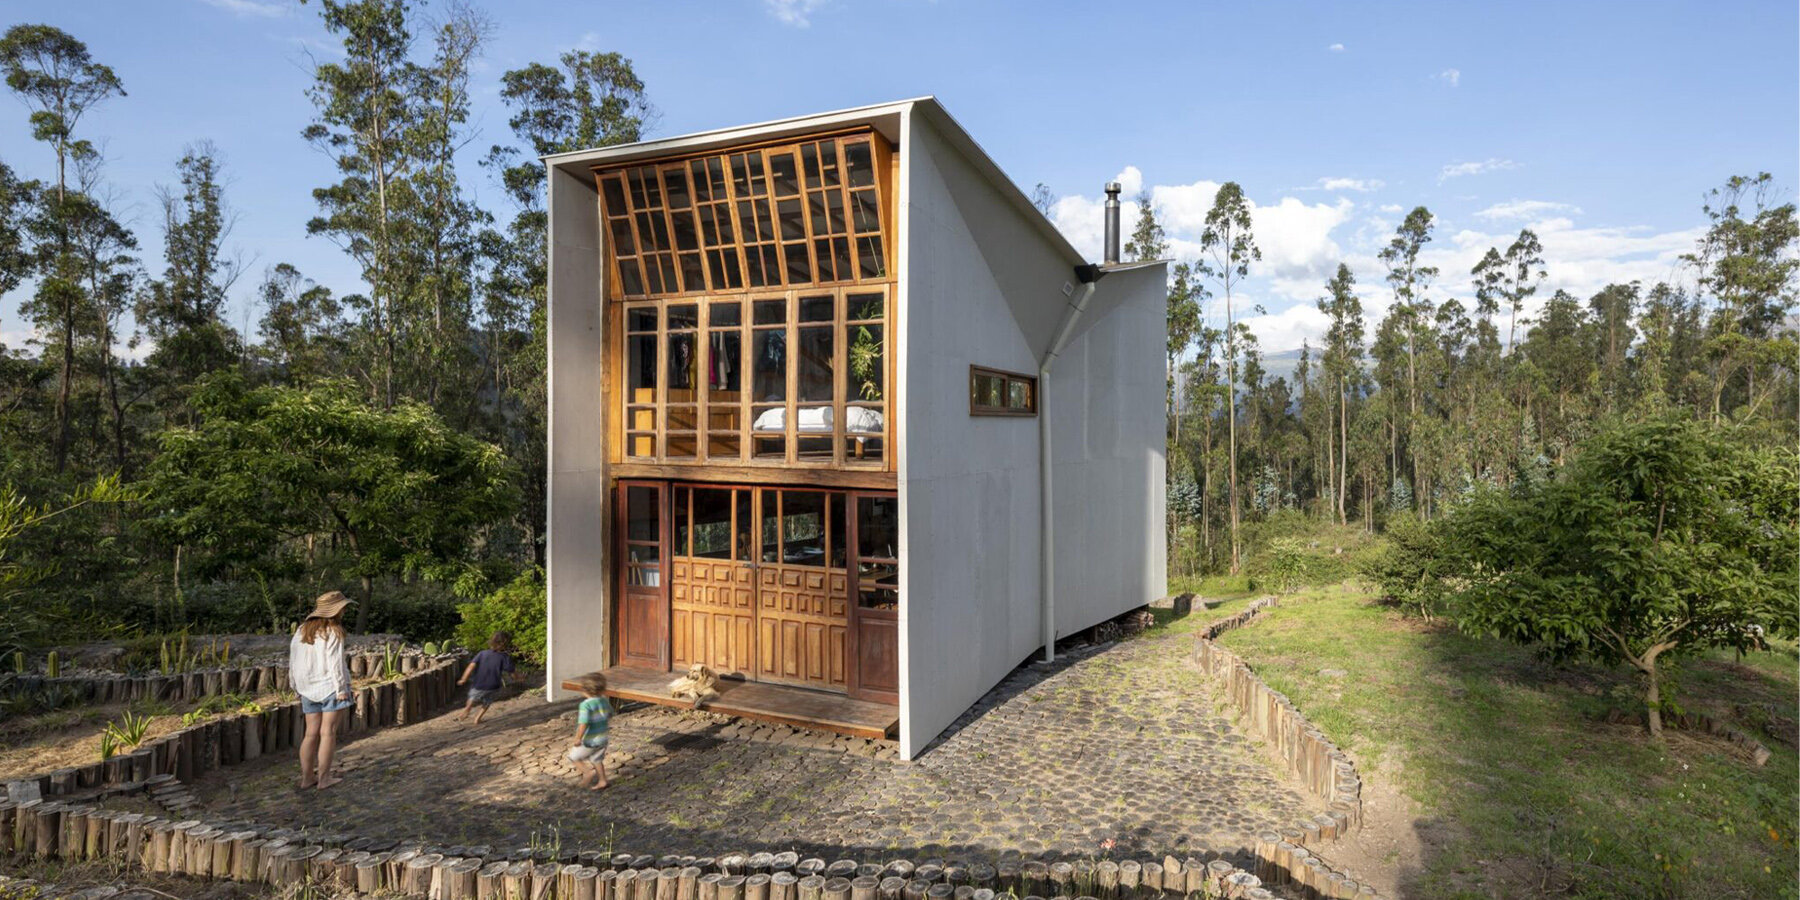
1524	787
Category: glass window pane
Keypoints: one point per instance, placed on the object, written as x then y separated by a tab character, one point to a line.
621	237
771	526
724	364
712	523
640	368
828	164
803	528
783	174
809	159
727	313
861	165
869	259
868	368
687	237
793	226
686	315
615	195
816	309
864	306
799	268
745	522
641	319
693	276
878	527
630	281
878	586
680	445
642	514
1018	394
675	180
682	364
817	369
678	523
770	367
864	210
835	526
771	312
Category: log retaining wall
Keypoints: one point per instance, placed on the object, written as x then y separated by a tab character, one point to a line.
49	830
200	683
1324	768
229	740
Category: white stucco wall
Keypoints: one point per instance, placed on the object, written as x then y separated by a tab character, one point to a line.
578	528
1107	451
977	279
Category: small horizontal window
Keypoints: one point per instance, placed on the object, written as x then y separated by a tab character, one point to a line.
996	393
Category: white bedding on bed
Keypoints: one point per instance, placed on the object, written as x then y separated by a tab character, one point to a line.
818	420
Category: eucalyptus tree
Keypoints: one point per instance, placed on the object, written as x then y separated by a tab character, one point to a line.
304	336
367	113
1229	243
1410	280
1747	262
16	200
182	312
58	79
1342	360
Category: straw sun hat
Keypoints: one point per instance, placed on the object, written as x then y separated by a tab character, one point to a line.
329	604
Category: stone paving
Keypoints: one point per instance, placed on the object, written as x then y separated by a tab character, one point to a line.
1116	744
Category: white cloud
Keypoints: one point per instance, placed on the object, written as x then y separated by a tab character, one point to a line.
1130	180
1525	209
249	8
1362	185
793	12
1295	236
1451	77
1336	48
1458	170
1392	208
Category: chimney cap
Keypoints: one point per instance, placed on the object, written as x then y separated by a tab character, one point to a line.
1113	187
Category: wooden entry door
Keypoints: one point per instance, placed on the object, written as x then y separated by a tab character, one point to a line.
713	583
802	588
875	589
643	624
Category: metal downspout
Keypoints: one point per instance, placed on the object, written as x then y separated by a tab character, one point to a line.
1046	530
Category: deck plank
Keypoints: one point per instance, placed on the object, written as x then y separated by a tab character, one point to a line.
800	707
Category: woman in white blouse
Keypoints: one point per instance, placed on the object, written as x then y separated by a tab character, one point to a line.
319	673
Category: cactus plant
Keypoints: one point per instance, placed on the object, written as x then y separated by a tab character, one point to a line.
19	661
431	648
52	666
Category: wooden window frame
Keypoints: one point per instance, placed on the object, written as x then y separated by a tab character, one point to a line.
883	163
625	412
1006	380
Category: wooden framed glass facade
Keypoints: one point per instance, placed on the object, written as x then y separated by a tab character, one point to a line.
751	306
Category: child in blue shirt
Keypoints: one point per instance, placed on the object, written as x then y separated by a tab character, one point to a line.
591	722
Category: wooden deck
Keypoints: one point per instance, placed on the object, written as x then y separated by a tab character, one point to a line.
799	707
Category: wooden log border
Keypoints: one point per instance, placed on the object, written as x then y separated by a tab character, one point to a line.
203	683
1283	857
181	755
278	856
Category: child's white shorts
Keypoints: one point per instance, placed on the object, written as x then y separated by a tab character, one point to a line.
584	753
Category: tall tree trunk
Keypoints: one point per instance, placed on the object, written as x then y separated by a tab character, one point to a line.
1343	446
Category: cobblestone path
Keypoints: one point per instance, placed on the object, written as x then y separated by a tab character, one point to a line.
1120	743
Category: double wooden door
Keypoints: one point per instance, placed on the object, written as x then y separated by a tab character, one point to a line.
763	585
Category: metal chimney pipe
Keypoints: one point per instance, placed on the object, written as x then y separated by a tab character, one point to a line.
1112	222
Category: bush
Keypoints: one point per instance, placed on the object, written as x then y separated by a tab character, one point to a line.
1410	569
518	608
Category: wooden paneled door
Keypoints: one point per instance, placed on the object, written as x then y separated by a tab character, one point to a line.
641	521
874	570
802	596
713	583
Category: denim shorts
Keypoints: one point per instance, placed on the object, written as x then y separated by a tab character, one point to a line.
484	696
330	704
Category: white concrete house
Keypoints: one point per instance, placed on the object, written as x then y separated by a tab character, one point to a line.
835	411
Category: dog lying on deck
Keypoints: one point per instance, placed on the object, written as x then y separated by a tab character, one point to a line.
696	686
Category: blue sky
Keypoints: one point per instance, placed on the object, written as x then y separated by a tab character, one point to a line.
1599	125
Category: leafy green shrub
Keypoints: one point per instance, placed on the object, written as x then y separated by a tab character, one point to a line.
1410	569
518	609
1288	565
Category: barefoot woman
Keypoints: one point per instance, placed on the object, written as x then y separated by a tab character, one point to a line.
319	673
